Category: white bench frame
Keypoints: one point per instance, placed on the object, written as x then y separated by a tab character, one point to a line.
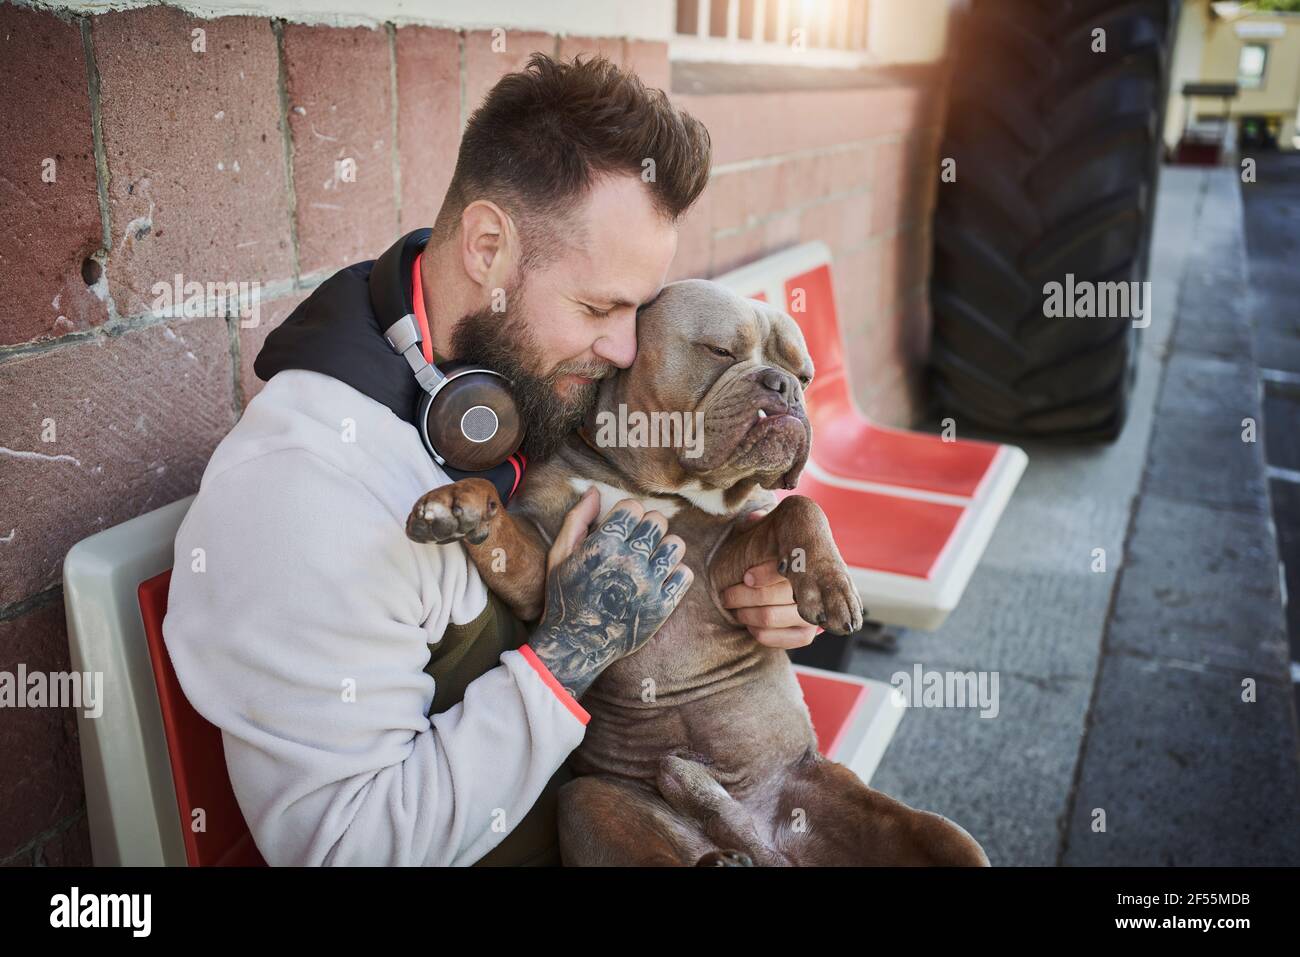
130	792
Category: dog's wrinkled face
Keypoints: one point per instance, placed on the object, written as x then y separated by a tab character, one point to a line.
736	369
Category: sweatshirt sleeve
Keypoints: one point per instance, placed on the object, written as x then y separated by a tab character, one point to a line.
297	623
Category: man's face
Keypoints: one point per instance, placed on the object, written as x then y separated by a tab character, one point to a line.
572	321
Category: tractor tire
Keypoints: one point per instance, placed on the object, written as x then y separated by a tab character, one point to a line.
1057	152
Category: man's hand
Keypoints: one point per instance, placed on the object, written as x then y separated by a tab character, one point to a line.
764	603
608	592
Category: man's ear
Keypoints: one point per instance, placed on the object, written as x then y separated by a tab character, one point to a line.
485	243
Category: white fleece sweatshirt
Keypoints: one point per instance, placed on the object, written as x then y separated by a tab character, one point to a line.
299	622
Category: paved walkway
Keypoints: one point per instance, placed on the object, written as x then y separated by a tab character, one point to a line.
1272	207
1121	690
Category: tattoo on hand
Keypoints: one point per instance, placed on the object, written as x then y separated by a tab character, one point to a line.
608	598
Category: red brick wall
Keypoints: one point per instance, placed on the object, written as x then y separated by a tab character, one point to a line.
221	166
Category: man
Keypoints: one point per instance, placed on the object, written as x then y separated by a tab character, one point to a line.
377	704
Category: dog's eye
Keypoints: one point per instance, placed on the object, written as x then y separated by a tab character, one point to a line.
805	380
718	351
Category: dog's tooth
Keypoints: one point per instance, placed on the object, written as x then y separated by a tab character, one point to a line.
762	414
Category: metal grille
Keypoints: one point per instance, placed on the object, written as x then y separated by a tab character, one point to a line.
479	423
810	24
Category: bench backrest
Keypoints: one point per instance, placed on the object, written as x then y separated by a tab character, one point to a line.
149	760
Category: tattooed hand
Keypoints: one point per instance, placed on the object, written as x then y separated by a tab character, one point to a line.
607	598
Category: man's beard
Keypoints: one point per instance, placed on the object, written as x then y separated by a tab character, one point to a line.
503	343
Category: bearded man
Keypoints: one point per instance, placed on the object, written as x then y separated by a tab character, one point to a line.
377	704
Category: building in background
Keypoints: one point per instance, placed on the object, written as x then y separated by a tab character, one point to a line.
1258	50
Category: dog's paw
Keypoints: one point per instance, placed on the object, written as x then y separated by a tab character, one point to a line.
825	594
462	510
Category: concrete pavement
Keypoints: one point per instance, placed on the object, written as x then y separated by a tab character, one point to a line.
1121	690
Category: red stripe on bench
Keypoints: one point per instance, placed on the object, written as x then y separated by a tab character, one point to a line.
198	757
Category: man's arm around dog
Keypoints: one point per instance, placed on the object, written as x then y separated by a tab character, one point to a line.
299	622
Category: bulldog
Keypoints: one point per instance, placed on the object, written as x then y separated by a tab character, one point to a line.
700	750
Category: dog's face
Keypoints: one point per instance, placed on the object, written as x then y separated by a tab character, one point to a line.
734	367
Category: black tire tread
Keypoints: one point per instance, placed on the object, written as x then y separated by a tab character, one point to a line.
1057	152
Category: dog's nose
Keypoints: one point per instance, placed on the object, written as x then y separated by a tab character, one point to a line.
777	381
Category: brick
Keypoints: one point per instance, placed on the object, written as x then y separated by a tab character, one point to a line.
874	350
781	233
428	119
488	59
906	184
69	848
128	439
745	196
749	125
339	87
777	188
48	228
855	219
851	168
875	358
611	48
824	222
40	777
806	179
841	223
731	200
695	239
252	339
197	182
857	278
736	249
649	60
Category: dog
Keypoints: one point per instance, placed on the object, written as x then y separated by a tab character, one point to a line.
700	750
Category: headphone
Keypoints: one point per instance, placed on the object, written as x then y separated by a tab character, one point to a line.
467	416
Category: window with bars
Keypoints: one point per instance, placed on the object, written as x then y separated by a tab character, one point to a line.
830	32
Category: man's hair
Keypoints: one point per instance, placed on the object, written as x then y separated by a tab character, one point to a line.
542	137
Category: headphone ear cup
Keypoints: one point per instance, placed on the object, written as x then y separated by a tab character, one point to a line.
472	421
